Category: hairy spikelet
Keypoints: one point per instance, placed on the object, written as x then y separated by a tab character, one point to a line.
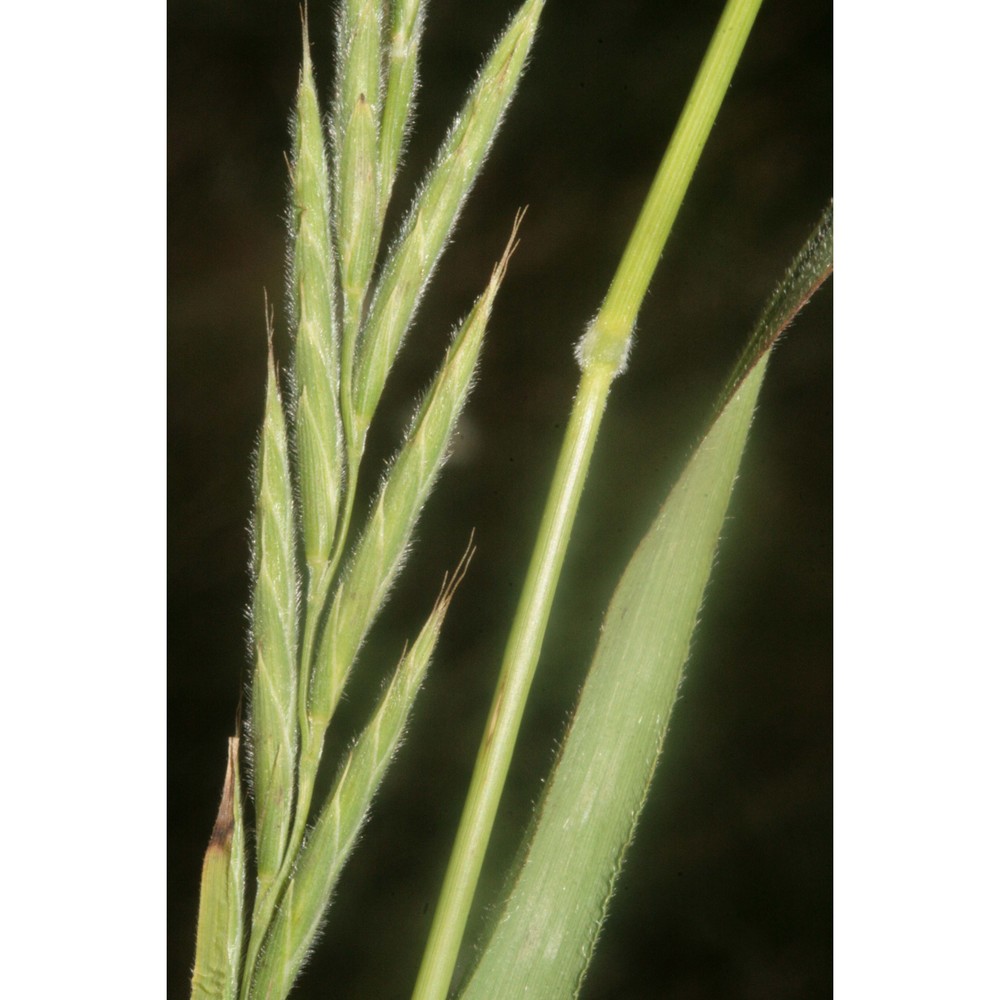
274	716
383	544
405	29
356	114
308	462
318	433
435	210
331	840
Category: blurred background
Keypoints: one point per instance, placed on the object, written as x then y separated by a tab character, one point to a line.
727	890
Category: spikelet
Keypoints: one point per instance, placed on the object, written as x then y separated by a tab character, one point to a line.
355	141
318	432
383	544
435	210
405	30
328	846
274	714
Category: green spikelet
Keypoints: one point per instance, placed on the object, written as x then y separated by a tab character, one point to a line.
274	715
436	209
401	82
318	434
356	123
383	544
336	831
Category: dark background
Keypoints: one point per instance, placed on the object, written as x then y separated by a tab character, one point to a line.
727	891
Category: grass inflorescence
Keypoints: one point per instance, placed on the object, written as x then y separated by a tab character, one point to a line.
316	593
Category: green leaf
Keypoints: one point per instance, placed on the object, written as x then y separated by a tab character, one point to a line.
548	928
220	911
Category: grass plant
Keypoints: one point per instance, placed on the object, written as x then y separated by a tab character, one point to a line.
322	572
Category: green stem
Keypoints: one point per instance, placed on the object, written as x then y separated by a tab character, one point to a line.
602	354
678	164
516	674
